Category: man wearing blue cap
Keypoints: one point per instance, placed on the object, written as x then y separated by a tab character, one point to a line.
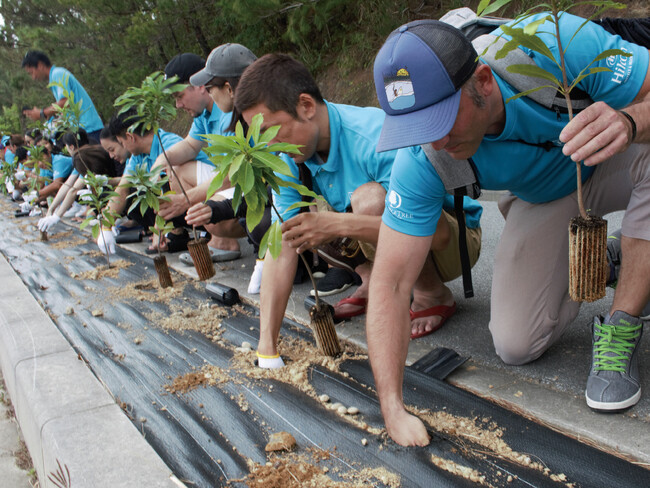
435	92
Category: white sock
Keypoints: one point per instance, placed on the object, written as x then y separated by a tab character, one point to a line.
256	278
269	362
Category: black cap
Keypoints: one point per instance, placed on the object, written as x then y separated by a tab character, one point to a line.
184	65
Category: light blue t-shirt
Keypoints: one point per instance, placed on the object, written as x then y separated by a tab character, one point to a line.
61	167
90	119
168	140
214	122
504	162
9	156
351	162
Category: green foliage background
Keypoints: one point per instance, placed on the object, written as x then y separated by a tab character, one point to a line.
110	45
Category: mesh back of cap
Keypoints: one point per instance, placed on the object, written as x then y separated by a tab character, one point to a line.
453	49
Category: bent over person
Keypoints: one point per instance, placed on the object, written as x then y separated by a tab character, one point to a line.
338	156
39	67
459	107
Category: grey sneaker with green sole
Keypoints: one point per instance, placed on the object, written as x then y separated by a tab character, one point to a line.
613	384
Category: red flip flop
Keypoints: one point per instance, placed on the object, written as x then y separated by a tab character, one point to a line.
443	311
358	302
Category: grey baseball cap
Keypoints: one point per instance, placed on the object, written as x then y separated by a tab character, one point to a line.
226	61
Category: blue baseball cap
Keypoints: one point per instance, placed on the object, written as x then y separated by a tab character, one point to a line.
5	140
418	75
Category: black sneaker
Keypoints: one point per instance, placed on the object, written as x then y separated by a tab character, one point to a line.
613	384
335	281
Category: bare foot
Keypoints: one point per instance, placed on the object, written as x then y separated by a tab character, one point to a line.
355	304
423	301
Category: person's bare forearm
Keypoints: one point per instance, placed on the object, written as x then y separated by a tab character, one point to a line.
198	193
50	189
387	331
62	194
70	197
180	153
361	227
118	202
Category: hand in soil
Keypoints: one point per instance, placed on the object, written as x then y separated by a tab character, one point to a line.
406	429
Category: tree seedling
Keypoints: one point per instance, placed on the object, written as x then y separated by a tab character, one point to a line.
251	163
101	218
147	194
153	103
587	234
7	173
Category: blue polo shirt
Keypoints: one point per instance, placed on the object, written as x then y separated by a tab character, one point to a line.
9	156
168	140
61	167
351	162
505	161
90	119
213	122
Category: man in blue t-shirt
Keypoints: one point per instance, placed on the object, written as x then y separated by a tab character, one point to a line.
39	67
448	99
338	156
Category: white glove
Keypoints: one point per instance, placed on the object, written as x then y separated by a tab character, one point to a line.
9	185
30	197
20	175
85	195
25	206
106	240
102	179
46	223
35	212
16	194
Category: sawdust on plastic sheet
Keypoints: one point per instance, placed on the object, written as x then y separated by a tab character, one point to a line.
103	271
68	243
467	433
204	317
304	469
148	290
480	431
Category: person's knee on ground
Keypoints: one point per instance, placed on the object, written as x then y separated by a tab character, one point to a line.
368	199
515	343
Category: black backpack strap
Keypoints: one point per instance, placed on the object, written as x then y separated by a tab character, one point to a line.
465	264
304	175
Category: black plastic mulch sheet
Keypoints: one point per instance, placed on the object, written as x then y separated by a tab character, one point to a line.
208	439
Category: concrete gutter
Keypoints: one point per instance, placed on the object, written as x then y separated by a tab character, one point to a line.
65	414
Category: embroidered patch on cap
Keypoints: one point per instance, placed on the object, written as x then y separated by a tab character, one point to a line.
399	90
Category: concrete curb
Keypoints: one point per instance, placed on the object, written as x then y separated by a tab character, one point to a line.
65	414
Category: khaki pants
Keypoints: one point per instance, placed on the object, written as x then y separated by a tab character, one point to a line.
448	260
530	307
